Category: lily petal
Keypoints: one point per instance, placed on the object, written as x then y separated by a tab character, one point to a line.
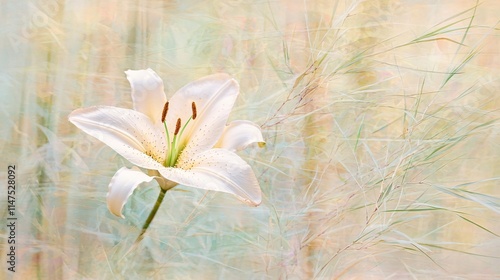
239	134
122	185
214	96
147	93
218	170
128	132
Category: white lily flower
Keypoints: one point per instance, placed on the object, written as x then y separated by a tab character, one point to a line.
183	141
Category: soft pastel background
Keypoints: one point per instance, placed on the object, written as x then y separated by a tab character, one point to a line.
381	119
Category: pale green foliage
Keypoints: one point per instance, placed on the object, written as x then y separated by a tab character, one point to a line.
381	120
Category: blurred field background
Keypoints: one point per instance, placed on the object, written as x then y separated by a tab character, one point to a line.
381	119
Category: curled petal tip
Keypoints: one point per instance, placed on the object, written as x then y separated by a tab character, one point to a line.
121	187
237	135
256	203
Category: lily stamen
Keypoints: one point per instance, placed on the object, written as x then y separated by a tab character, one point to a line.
164	113
193	108
177	126
178	147
173	151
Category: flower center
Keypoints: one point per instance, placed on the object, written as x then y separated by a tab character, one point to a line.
173	148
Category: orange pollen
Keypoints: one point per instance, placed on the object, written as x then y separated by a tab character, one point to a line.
164	113
177	126
193	107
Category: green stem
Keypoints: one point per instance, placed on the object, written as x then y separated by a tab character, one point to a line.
152	214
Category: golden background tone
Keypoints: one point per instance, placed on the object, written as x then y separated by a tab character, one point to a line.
381	120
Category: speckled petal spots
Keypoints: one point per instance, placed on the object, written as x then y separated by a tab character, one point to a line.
128	132
218	170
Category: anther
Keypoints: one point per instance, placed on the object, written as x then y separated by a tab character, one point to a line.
193	107
177	126
165	110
